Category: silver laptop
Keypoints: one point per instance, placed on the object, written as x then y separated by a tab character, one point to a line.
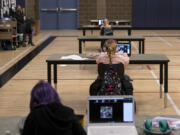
111	115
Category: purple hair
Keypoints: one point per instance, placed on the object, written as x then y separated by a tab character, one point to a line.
43	93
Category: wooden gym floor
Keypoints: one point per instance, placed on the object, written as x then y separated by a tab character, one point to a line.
74	80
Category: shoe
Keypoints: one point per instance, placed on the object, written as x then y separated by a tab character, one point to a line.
13	48
32	44
24	44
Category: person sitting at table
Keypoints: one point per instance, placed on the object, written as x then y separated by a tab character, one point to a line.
109	55
110	71
48	116
105	30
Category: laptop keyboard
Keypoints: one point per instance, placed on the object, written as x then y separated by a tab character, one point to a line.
112	130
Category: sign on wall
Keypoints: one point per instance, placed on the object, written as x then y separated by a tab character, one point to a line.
6	7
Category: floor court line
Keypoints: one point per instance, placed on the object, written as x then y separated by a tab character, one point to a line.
134	46
157	81
14	59
152	92
18	56
162	39
168	96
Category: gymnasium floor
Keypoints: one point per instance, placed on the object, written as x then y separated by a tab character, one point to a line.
74	80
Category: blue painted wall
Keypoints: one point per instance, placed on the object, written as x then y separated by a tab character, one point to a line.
21	3
156	13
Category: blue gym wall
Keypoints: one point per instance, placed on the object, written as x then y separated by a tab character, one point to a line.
156	13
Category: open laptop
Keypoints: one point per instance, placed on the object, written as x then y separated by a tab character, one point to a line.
101	22
111	115
124	48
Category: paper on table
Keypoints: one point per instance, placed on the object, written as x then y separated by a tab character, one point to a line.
73	57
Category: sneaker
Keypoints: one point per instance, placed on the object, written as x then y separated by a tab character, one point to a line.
32	44
24	44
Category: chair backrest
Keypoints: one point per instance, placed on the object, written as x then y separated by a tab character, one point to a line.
111	77
119	68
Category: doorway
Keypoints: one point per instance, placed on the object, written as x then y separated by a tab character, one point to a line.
58	14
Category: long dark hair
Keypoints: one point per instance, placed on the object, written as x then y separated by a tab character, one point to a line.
43	93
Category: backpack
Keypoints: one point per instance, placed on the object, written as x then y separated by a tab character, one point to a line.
111	82
111	78
123	81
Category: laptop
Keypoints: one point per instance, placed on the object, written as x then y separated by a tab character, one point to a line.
124	48
111	115
101	22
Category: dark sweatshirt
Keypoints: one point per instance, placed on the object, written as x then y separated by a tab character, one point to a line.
52	119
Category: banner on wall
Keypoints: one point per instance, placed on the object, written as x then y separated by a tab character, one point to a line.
6	7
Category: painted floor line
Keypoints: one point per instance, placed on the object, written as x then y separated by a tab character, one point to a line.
14	59
134	45
168	96
162	39
18	56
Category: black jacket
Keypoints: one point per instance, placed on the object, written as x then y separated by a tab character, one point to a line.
52	119
20	21
19	17
106	31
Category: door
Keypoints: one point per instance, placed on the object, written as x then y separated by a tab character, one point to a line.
48	19
58	14
68	14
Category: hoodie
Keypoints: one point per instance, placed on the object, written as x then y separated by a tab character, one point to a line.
116	59
52	119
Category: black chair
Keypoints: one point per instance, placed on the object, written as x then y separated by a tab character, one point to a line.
127	88
118	67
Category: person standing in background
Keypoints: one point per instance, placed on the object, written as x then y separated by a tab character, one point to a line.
22	4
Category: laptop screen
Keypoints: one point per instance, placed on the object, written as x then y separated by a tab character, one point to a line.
111	109
124	48
101	22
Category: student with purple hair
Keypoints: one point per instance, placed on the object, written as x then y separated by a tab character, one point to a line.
48	116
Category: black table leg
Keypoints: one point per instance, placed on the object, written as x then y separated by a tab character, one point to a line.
161	79
84	32
49	73
80	46
55	76
91	32
143	47
129	32
139	47
165	83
